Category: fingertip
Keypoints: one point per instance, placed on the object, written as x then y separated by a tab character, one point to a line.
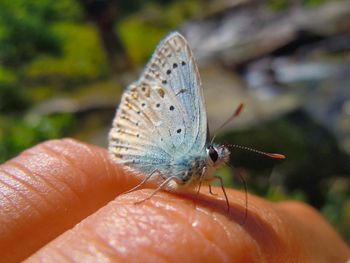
49	188
314	233
165	228
169	227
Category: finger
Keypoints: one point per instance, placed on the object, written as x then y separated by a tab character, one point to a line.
172	228
48	189
316	234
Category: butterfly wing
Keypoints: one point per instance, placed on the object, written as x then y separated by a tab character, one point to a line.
162	116
174	67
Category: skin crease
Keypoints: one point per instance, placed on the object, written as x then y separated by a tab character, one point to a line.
59	203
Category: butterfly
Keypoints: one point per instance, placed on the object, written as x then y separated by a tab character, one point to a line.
160	128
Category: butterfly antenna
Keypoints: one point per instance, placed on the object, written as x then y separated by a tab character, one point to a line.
271	155
236	113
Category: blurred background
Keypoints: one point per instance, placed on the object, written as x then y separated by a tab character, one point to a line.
64	65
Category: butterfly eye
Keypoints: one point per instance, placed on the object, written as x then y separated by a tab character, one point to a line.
213	154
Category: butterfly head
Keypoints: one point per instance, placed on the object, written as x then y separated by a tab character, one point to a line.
217	155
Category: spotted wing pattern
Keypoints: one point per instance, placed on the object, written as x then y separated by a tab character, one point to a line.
161	117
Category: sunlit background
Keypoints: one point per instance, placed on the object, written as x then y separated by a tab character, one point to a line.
64	65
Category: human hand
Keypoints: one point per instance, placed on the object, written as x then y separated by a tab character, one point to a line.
60	203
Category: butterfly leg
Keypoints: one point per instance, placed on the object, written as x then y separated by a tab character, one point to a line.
200	182
162	185
210	191
155	172
240	174
223	190
199	188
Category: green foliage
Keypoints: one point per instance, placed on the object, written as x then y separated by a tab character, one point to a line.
64	10
314	2
41	45
26	28
142	31
12	97
130	32
278	5
337	207
277	193
7	76
18	134
82	57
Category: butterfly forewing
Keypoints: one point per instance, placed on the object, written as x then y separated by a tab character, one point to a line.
173	66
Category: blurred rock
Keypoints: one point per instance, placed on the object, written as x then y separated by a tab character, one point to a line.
252	30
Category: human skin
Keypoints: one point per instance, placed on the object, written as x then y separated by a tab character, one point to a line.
60	202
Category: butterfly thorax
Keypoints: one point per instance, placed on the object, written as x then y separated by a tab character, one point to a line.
188	169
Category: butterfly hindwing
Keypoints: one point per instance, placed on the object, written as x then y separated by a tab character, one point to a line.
147	126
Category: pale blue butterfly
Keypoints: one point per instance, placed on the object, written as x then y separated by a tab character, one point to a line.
160	127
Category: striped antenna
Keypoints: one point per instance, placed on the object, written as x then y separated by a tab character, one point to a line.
271	155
